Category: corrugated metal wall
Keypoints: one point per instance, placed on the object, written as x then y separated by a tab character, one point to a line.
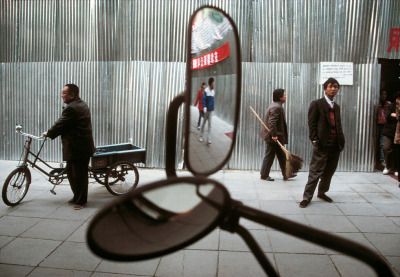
128	58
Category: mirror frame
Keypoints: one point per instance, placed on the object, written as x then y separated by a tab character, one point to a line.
95	248
189	88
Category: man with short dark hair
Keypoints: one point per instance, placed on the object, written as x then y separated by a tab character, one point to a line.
75	128
327	137
275	120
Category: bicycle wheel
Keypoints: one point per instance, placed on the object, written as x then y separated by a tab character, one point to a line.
122	177
16	186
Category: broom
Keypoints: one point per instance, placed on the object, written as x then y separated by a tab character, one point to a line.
293	163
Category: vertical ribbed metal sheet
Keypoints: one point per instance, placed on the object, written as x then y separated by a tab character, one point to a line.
128	58
155	30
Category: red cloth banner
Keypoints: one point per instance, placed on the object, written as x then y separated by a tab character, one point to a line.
211	58
394	40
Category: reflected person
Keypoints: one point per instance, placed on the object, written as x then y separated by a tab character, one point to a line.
75	128
327	138
199	103
208	108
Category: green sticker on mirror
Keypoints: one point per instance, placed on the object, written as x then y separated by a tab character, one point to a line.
216	16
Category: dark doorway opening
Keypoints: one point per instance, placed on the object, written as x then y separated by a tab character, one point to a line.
390	76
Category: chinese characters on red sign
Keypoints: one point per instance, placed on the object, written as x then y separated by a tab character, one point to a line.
394	39
211	58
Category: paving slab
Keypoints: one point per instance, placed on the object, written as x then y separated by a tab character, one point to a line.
239	264
366	209
349	267
25	251
4	240
14	226
52	272
374	224
387	244
72	255
54	229
148	267
306	265
7	270
189	263
283	243
331	223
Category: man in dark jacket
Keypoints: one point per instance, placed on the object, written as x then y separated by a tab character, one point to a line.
75	128
275	120
327	137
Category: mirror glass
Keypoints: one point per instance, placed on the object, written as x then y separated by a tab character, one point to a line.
155	221
214	74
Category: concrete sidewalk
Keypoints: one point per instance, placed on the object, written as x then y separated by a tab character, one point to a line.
44	236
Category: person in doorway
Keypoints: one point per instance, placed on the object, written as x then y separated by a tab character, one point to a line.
208	108
381	112
388	132
396	140
199	103
75	128
328	141
275	120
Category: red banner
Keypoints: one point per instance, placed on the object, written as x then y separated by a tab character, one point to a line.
211	58
394	40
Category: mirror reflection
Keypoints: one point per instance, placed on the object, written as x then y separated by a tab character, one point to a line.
155	220
213	74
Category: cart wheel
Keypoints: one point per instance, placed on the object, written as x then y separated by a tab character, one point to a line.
16	186
122	177
100	178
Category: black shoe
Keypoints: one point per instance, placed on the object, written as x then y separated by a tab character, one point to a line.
304	203
71	201
267	178
324	197
291	176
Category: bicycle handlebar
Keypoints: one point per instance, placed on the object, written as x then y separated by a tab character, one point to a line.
18	129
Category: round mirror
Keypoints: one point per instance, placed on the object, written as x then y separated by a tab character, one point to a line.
157	219
213	90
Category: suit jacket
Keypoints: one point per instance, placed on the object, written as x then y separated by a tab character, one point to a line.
275	120
319	124
75	128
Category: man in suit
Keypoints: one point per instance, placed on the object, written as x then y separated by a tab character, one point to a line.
75	128
274	119
327	137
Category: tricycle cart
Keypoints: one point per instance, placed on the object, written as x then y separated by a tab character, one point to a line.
111	165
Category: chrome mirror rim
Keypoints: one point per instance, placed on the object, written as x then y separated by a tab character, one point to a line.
98	250
189	87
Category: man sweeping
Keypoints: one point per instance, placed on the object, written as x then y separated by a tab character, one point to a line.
276	130
327	137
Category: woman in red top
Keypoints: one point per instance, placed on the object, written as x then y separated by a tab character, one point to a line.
199	103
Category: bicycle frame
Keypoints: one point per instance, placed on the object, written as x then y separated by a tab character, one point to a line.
27	153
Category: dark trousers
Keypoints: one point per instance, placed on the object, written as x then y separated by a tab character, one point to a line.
201	115
272	149
387	151
77	172
397	152
322	167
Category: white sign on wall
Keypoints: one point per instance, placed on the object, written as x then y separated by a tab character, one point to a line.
343	72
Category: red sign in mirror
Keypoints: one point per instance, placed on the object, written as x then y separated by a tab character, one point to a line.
211	58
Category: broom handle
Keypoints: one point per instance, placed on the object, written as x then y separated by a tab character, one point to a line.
265	126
